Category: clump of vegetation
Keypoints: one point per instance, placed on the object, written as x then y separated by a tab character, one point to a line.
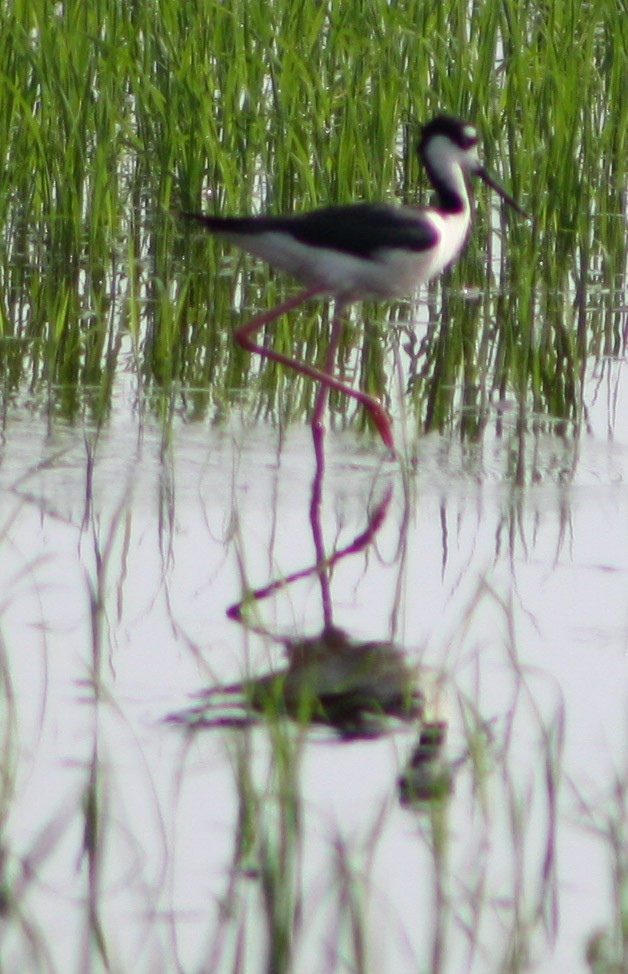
111	115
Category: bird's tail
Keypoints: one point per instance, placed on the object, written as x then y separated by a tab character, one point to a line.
221	224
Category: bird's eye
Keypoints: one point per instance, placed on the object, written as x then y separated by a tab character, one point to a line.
470	135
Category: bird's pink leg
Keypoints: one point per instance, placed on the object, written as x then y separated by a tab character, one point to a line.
370	403
322	398
318	434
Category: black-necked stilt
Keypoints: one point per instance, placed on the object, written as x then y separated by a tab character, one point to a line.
366	251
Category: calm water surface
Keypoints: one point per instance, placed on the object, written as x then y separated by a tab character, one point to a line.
120	555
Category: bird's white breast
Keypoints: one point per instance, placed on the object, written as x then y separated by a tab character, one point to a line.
387	273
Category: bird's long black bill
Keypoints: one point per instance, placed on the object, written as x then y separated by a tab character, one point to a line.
488	179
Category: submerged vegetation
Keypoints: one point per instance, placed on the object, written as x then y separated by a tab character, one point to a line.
113	115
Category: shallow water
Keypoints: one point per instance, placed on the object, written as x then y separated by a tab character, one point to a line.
120	556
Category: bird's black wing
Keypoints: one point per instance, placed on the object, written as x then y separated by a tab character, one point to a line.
361	229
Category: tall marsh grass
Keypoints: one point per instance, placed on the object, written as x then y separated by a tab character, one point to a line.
114	114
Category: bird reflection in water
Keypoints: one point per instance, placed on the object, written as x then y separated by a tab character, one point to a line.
356	688
353	687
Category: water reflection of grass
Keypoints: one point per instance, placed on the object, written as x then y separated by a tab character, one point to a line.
300	869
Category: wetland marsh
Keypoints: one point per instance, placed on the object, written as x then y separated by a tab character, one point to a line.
153	475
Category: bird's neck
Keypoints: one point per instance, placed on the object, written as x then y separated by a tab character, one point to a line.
451	188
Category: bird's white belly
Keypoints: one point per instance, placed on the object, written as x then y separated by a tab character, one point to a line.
387	273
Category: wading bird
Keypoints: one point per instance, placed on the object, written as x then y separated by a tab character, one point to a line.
365	251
